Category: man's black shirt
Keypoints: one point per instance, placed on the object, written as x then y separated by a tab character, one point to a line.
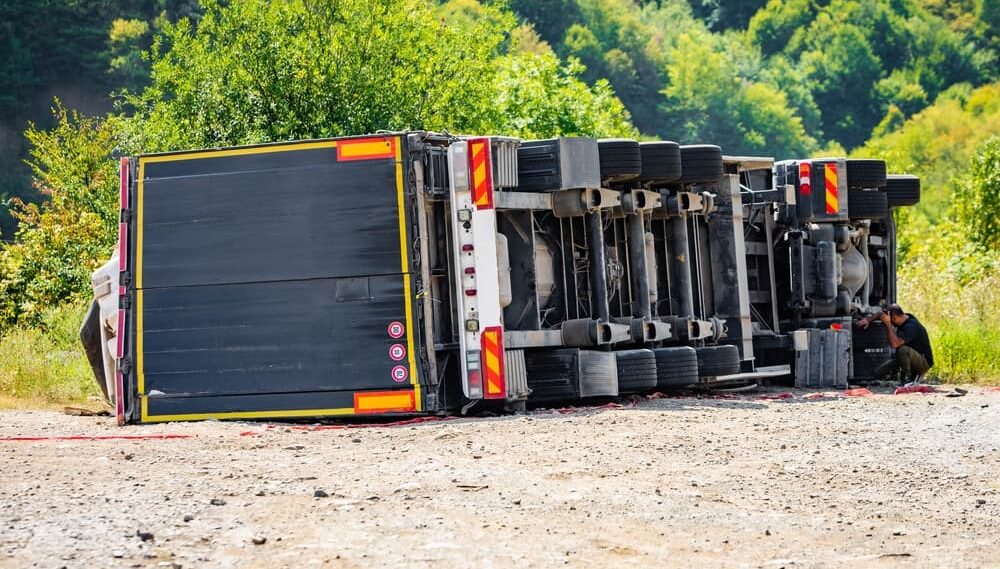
914	335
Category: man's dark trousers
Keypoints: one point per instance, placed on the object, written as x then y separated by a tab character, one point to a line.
910	361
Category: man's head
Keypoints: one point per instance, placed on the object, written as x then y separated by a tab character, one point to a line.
896	314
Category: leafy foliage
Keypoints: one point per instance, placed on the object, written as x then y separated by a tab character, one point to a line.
950	264
710	102
979	198
60	242
255	71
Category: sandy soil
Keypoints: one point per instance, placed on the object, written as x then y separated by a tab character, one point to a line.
908	480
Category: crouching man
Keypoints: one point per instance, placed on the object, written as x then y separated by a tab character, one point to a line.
908	337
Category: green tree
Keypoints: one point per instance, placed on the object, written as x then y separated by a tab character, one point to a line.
550	18
127	40
60	242
537	97
255	71
843	68
772	28
707	101
720	15
979	197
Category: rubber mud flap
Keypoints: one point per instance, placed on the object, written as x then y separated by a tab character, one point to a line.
866	204
714	361
864	173
598	375
902	189
620	158
90	337
661	161
676	366
701	163
636	370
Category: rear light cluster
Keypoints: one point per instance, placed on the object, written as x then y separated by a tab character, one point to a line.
474	375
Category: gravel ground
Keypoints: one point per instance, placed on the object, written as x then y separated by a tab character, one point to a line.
907	480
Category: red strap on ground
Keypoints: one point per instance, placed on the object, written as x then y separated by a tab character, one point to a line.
778	396
858	392
97	438
914	389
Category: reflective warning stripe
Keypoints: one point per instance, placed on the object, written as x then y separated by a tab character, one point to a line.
366	149
481	173
492	356
384	402
832	199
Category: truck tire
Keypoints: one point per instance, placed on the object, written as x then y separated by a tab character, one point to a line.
902	189
551	374
621	159
661	161
676	366
636	370
862	204
701	163
714	361
90	337
865	174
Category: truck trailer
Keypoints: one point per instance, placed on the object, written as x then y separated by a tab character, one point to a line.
421	272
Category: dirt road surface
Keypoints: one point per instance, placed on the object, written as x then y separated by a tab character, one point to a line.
883	481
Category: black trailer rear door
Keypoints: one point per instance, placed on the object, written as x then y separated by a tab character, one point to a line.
273	281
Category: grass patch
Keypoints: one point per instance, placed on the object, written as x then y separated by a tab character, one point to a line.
45	366
963	321
966	352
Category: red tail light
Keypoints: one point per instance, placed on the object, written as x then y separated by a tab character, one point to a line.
805	178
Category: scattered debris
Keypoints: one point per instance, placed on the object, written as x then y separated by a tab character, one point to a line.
82	412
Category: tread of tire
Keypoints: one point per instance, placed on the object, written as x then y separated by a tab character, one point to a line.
902	190
862	204
551	374
676	366
619	157
661	161
701	163
865	173
636	370
713	361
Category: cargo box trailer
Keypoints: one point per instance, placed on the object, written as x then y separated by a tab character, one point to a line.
419	272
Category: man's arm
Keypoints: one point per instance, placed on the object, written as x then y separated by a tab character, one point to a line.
890	332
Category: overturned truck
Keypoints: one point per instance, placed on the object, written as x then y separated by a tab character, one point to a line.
420	272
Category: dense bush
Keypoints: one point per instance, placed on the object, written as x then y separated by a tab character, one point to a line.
61	241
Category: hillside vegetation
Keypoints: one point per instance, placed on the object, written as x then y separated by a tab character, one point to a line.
916	82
